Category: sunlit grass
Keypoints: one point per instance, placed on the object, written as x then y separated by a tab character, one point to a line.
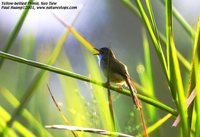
14	33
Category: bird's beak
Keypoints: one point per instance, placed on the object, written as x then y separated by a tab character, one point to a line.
97	51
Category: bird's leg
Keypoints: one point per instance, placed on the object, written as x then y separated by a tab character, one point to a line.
107	84
120	86
133	93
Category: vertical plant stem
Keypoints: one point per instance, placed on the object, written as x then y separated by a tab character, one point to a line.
111	108
193	79
148	81
175	82
156	44
181	20
134	10
110	95
197	75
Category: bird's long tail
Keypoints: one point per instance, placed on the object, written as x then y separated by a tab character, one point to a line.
137	103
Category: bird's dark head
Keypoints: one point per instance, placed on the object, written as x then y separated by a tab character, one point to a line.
105	52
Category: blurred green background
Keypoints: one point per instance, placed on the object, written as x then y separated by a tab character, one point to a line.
103	23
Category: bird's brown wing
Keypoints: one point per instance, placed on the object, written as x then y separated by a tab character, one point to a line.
118	68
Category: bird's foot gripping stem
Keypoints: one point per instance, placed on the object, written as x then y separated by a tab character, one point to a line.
107	84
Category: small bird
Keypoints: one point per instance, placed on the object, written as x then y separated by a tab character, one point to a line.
116	72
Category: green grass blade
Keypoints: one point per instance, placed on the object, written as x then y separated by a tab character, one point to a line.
168	45
175	82
148	79
15	31
197	76
156	43
192	80
77	35
150	10
145	73
22	130
147	49
176	85
197	101
3	118
14	103
182	60
134	10
148	66
84	78
157	124
181	20
175	12
38	79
